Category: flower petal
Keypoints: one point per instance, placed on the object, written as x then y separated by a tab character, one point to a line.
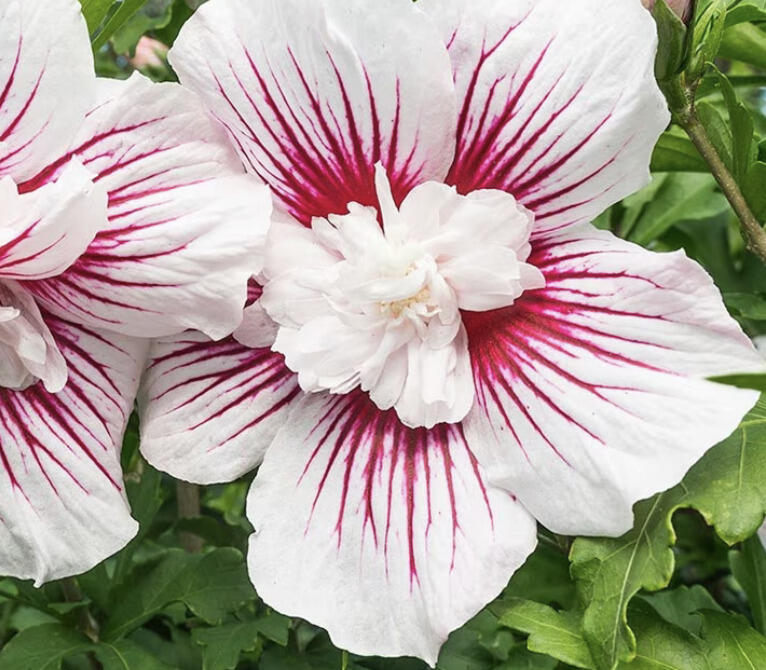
559	102
186	226
28	350
45	55
388	537
592	392
315	92
210	409
44	231
62	500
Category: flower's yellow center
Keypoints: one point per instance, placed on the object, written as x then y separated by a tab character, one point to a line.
398	307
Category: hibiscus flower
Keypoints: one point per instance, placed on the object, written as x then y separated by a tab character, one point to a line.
123	212
442	350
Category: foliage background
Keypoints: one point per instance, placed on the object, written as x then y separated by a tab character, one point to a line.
685	590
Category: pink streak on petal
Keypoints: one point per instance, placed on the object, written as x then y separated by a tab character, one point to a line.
353	425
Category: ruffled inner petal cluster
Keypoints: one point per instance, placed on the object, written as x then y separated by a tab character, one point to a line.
379	304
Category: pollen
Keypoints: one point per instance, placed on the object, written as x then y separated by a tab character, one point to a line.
398	307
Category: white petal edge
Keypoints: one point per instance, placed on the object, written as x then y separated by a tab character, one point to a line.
592	392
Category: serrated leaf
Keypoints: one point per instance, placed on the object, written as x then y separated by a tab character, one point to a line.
664	646
557	634
224	645
609	572
43	648
464	648
749	569
682	606
127	655
726	487
210	585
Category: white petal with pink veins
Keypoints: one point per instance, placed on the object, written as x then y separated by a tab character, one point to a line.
592	392
390	538
558	101
45	56
209	410
257	328
45	230
355	298
28	351
62	500
186	225
315	92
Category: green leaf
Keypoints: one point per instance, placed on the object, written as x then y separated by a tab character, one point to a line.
681	606
557	634
707	35
746	11
672	41
732	643
124	12
744	149
464	649
680	197
746	305
745	42
726	487
145	495
95	12
544	578
210	585
674	152
274	627
609	572
43	648
127	655
224	645
755	382
664	646
749	568
522	659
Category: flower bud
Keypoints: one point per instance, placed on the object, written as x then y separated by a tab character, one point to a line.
683	8
149	53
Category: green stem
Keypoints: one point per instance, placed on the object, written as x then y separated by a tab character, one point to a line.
752	230
72	594
187	498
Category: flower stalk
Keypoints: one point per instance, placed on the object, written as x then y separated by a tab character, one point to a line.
72	593
754	234
681	95
187	499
